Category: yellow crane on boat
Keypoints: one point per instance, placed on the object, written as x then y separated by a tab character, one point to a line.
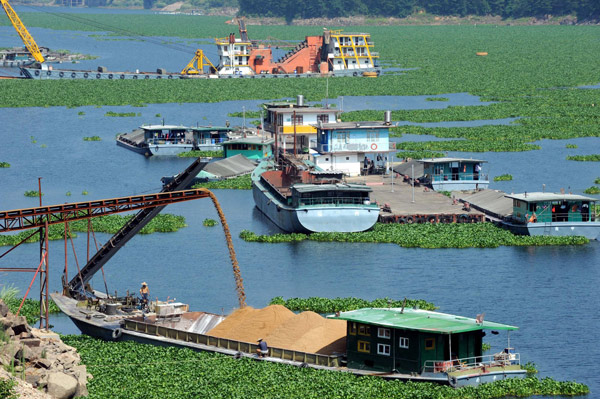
197	64
22	31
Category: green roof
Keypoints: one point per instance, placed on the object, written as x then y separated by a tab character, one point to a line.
537	197
419	320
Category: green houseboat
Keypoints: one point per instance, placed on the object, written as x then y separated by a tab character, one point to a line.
256	148
554	214
454	174
433	346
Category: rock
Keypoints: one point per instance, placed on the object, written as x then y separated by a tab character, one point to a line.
11	350
61	386
67	359
80	373
32	378
4	310
43	363
26	353
6	322
31	342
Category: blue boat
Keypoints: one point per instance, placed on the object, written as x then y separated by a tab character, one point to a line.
454	174
554	214
299	197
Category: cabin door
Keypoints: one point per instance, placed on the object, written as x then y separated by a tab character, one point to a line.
455	170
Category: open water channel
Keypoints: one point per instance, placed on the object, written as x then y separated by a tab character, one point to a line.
550	292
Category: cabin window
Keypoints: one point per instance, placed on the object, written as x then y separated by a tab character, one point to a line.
373	136
298	119
342	137
383	333
352	330
364	330
364	346
280	119
429	344
326	159
323	118
347	158
383	349
403	342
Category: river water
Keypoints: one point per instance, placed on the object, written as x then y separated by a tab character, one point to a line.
550	292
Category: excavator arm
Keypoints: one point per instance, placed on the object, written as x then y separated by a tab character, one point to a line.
22	31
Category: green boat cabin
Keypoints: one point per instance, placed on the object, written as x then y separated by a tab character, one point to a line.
552	207
407	340
257	148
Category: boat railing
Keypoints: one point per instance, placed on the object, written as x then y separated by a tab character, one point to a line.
336	201
459	177
502	359
229	345
213	141
547	216
168	141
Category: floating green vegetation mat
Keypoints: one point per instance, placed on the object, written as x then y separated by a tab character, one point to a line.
31	308
4	165
201	154
504	177
332	305
249	114
122	114
584	158
422	154
32	193
592	190
103	224
209	222
467	145
597	181
426	235
131	370
92	138
236	183
571	146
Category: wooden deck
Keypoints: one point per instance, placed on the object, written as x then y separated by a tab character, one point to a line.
428	205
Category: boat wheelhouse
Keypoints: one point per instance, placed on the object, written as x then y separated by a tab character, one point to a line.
555	214
436	346
300	197
211	138
256	147
454	174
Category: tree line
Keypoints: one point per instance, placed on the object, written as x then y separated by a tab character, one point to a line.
291	9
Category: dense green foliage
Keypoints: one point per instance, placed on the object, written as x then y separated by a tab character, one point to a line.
571	146
248	114
201	154
504	177
32	193
104	224
584	158
332	305
4	165
236	183
92	138
592	190
289	9
467	146
425	235
131	370
31	308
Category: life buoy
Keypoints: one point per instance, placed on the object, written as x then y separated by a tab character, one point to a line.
373	146
421	219
73	75
49	73
147	77
85	75
170	76
116	333
61	74
135	76
159	77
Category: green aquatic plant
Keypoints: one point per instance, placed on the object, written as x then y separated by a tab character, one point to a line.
420	154
4	165
504	177
209	222
592	190
92	138
332	305
437	99
584	158
425	235
163	223
236	183
597	181
249	114
571	146
84	192
32	193
81	113
121	114
151	371
201	154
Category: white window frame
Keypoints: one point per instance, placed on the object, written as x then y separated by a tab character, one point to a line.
403	342
384	349
384	333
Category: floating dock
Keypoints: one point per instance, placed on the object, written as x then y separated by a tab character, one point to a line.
400	205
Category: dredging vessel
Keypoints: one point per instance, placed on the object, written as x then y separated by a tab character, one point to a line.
299	197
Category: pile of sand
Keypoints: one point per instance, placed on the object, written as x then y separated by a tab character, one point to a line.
281	328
